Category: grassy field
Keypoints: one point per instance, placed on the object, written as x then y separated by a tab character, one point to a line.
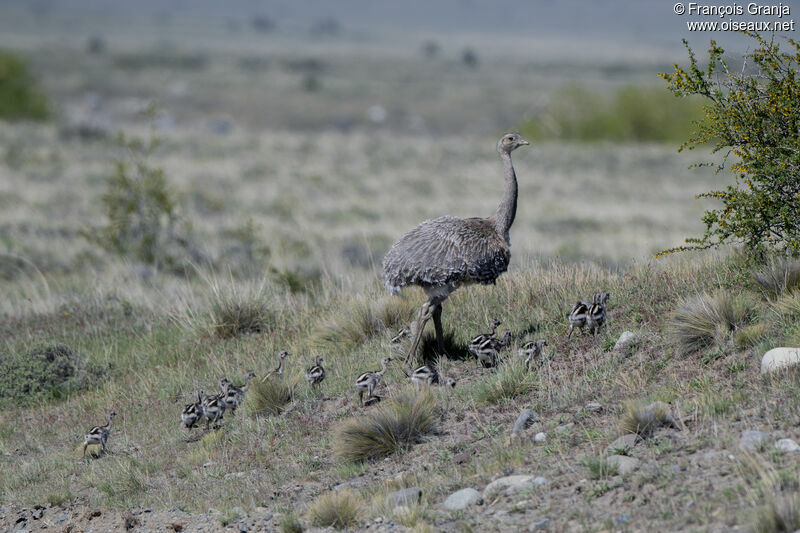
289	172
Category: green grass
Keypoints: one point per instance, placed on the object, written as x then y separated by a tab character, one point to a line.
639	114
20	96
510	381
599	467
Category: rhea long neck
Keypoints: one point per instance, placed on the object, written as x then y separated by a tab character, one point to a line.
507	210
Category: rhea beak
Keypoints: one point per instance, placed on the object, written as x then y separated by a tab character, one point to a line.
523	142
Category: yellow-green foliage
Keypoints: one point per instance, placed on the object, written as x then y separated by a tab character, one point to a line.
339	509
599	467
389	428
752	117
20	98
706	319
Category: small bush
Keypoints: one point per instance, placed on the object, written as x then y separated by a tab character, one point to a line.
267	397
777	276
704	320
43	373
780	514
643	420
390	428
337	509
510	381
143	214
599	467
19	96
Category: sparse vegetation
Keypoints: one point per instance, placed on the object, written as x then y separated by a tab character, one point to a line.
632	114
339	509
20	98
390	428
510	381
43	373
643	420
778	275
240	310
600	468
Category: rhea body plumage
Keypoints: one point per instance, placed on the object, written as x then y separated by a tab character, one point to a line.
99	434
193	413
278	371
596	317
532	350
448	252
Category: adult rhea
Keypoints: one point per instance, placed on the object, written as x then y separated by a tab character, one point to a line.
443	254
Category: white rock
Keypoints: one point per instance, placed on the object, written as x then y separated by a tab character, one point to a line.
753	440
624	464
540	437
628	339
778	358
462	499
509	485
787	446
539	480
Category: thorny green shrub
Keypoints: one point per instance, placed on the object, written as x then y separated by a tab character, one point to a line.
20	98
753	114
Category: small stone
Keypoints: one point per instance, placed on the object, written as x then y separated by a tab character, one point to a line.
779	358
593	407
625	465
210	463
525	419
624	518
626	341
462	499
61	518
623	444
753	440
407	496
508	485
539	481
540	437
787	446
540	525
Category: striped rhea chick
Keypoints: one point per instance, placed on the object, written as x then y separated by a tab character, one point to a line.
315	373
99	434
597	312
486	346
214	406
427	375
368	381
532	350
278	371
193	413
578	316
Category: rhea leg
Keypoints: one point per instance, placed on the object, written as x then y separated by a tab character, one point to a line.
425	314
437	322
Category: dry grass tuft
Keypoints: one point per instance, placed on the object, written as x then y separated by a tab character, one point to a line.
390	428
510	381
708	319
748	336
339	509
778	275
364	319
267	397
239	311
290	524
781	513
643	420
788	304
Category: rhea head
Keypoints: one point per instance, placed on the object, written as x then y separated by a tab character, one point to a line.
510	142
